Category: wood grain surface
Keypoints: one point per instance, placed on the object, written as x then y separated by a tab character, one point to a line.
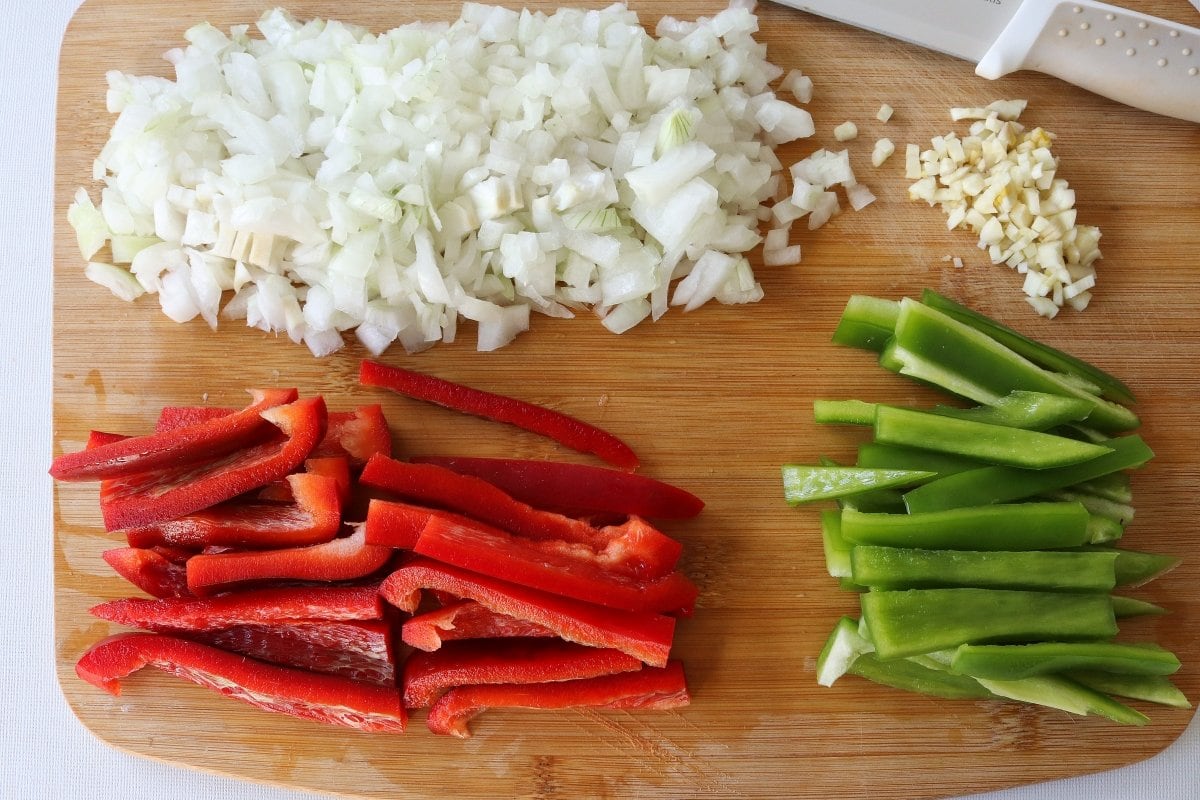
714	400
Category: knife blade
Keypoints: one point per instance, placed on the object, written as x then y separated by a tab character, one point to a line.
1133	58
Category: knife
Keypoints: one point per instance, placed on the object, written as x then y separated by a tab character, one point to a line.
1133	58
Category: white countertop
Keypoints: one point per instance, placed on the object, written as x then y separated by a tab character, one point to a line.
44	751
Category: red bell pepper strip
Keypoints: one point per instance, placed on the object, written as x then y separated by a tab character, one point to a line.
299	693
577	490
355	650
427	675
465	619
158	495
338	560
647	689
252	607
189	445
149	571
314	516
396	525
635	548
493	552
642	635
99	438
357	434
573	433
335	467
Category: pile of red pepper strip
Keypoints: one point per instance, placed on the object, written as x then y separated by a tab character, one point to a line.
554	611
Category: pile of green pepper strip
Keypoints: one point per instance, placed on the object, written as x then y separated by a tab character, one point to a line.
981	540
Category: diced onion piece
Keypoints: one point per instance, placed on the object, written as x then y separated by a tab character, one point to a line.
859	196
885	113
846	131
882	152
117	280
785	256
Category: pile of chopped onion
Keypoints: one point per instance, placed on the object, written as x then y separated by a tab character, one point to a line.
1000	182
322	178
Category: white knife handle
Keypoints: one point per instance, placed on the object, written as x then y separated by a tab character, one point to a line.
1133	58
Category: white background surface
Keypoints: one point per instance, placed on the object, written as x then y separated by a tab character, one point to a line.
44	751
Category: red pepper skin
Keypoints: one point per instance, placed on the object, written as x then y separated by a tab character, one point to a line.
489	551
251	607
307	695
642	635
335	467
394	524
577	490
337	560
464	619
566	430
189	445
356	435
159	495
635	548
428	675
646	689
314	516
355	650
149	571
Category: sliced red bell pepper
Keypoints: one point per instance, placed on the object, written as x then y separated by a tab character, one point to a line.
428	675
465	619
162	494
636	548
577	490
335	467
181	447
642	635
299	693
149	571
337	560
493	552
314	516
355	650
566	430
99	438
251	607
356	435
396	525
646	689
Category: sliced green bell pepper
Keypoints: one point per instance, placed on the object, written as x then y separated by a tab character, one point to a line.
867	322
1001	484
1126	607
998	444
907	568
1151	688
1055	691
1015	661
804	484
1035	411
1019	526
915	621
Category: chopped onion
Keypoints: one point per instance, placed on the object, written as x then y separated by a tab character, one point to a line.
315	178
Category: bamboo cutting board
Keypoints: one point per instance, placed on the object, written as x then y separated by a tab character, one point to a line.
714	401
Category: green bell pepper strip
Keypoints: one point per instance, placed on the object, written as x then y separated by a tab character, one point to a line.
837	550
997	444
888	456
1000	484
1121	513
1006	662
843	412
1055	691
841	649
903	361
867	322
879	500
1103	529
907	568
1020	526
1037	352
1134	568
977	359
1115	486
1151	688
1035	411
910	676
915	621
1126	607
804	484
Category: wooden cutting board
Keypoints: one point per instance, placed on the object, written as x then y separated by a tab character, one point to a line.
713	400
